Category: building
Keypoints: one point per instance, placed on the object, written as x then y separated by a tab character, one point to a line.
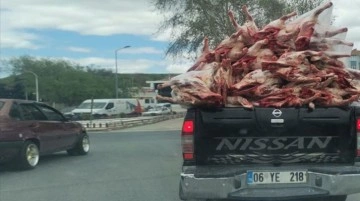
163	92
353	62
148	94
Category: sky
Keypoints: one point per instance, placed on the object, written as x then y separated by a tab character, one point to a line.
88	32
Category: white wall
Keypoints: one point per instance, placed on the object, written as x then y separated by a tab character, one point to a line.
353	62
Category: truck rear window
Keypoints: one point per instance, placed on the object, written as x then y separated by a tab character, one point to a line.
2	104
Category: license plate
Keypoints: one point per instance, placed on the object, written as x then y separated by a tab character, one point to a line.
277	177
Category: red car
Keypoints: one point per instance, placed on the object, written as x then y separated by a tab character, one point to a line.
29	129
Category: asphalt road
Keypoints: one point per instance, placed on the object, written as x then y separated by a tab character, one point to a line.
140	163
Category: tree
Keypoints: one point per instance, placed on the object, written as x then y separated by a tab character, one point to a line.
192	20
302	6
18	91
4	92
63	82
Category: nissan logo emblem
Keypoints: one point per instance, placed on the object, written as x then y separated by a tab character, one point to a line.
277	113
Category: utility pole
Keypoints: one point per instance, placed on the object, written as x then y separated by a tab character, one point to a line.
116	71
36	84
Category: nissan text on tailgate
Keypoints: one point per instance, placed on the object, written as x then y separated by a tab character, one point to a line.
271	154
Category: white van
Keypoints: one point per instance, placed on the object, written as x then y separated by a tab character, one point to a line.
147	103
108	107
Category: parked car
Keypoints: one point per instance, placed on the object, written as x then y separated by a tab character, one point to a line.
30	129
167	105
157	111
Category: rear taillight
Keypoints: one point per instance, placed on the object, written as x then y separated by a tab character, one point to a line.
358	136
187	140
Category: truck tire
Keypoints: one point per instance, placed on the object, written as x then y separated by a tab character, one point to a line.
336	198
29	156
331	198
82	147
327	198
201	200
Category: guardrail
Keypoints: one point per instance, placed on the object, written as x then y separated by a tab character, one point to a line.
111	124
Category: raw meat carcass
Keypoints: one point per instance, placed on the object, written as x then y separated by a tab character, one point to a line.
276	26
307	28
326	44
288	63
204	57
193	87
222	50
329	34
238	100
248	30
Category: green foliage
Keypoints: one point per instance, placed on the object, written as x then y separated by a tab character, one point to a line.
302	6
63	82
192	20
15	90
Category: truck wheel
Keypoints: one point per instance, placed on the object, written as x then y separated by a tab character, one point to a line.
198	200
328	198
82	147
29	156
336	198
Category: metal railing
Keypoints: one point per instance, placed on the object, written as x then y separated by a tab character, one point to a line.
126	123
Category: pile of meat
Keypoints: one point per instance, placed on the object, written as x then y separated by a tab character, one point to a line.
288	63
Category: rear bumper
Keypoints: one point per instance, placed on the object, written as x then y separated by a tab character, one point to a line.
8	150
225	182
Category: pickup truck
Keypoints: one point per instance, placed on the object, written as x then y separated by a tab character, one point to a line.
270	154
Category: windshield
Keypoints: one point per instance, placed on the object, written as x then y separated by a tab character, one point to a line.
96	105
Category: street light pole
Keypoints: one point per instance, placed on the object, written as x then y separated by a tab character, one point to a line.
36	84
116	71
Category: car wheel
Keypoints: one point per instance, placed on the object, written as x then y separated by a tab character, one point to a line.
82	147
29	156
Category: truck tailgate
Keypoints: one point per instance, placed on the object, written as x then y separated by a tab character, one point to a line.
274	136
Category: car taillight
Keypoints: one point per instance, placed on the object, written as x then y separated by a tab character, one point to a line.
187	140
358	136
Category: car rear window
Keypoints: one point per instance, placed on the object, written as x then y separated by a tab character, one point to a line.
2	104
